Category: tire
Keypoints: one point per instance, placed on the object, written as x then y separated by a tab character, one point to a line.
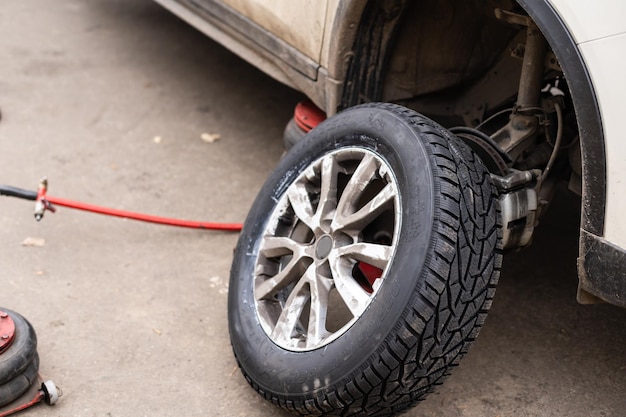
370	319
292	134
20	353
13	389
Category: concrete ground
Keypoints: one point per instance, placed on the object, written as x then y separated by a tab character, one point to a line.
109	99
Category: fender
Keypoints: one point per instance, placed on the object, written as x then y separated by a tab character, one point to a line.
586	108
601	265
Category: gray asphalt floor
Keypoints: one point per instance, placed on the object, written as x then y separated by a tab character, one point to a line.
110	100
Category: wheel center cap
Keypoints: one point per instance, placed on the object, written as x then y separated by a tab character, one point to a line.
323	247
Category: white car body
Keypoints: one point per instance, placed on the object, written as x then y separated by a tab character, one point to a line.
599	33
313	46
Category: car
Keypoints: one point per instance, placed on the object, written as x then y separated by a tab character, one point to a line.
431	143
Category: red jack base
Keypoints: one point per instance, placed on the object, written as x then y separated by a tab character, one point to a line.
48	392
7	331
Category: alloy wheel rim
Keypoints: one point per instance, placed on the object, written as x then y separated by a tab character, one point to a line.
326	249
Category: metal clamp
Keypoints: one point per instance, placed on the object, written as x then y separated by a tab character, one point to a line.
41	204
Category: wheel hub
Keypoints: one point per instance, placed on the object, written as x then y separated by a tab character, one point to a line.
323	247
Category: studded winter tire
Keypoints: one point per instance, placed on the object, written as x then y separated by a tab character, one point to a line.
366	265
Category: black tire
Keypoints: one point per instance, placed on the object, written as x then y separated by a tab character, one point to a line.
12	390
436	287
20	353
292	134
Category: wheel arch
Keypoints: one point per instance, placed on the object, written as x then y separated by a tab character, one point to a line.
587	112
600	264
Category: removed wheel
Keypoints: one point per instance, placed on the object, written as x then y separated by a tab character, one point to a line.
366	265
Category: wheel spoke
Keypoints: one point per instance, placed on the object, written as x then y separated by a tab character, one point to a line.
320	290
289	274
367	213
328	189
273	247
290	316
353	295
362	176
371	253
301	204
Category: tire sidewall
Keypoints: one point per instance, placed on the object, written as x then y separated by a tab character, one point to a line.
290	373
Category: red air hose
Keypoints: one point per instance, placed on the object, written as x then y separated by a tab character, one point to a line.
235	227
45	202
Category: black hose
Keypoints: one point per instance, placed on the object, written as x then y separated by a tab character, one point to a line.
9	191
484	137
